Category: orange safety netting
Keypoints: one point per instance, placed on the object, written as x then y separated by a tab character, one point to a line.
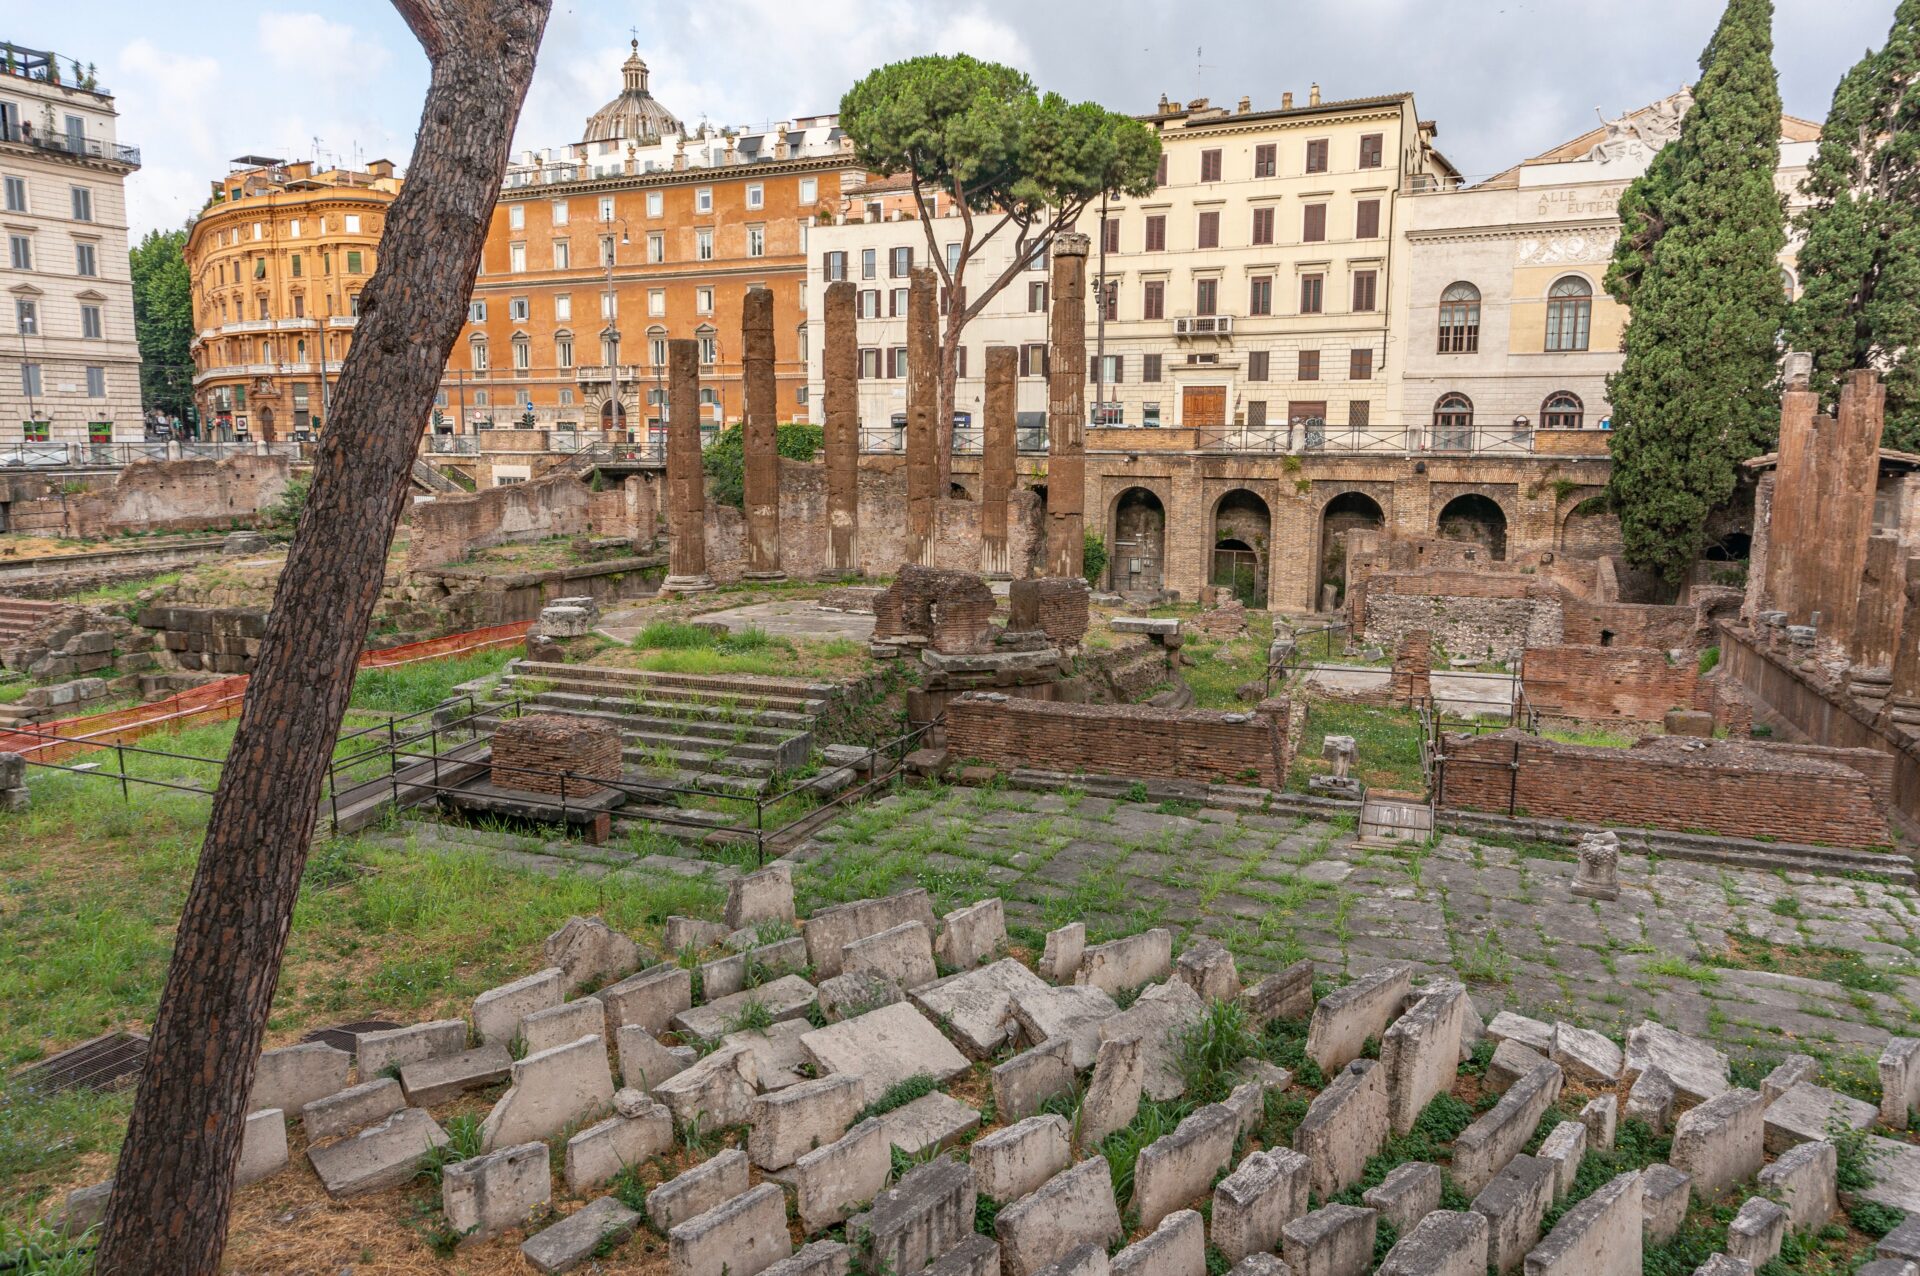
219	701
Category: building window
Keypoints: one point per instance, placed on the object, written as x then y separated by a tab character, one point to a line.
1033	359
1359	414
1110	235
1366	219
756	195
809	190
1313	294
1036	296
353	262
1157	230
559	215
16	194
1313	224
868	306
833	266
703	301
1317	155
900	263
1257	365
476	312
709	348
517	258
1360	363
299	306
656	203
516	216
27	315
1562	411
479	351
36	431
1263	225
703	199
30	379
609	305
1365	283
1309	369
522	354
606	208
1372	150
870	364
1206	296
20	252
1153	299
86	259
703	244
1460	319
563	352
296	264
1266	160
1110	301
1209	235
1452	420
656	249
1256	412
756	241
657	351
563	307
869	263
656	302
353	224
517	309
265	310
1569	313
90	325
896	362
1260	295
897	303
82	204
562	254
1150	367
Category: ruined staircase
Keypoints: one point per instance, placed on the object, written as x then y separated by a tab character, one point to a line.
18	615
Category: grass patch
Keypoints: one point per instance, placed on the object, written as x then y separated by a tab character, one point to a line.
1842	966
1388	741
416	687
1213	1048
899	1095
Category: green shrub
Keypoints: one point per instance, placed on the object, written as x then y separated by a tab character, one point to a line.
725	459
1210	1050
1094	559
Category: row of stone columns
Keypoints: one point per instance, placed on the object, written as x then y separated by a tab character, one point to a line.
1066	404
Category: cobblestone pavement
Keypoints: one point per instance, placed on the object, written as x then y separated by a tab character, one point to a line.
1679	944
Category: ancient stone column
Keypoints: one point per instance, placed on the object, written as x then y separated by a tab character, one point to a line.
840	359
686	476
923	405
762	437
1067	409
996	459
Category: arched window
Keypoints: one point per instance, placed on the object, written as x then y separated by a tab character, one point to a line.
1787	284
709	339
1460	319
478	345
1562	411
1453	423
1569	313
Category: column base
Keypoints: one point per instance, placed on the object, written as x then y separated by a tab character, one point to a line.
687	584
773	575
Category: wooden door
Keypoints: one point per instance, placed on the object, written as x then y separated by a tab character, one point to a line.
1203	406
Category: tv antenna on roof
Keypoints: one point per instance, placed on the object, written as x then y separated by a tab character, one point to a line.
1199	67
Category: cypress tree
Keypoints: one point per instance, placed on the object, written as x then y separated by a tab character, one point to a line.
1860	263
1697	260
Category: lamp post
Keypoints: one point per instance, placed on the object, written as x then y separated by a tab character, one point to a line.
611	334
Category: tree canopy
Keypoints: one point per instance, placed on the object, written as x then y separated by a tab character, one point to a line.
163	320
1860	264
1698	261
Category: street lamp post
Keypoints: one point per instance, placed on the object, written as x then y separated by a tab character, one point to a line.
611	333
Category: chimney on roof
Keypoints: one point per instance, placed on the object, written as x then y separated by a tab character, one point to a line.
1163	105
1313	95
1286	101
1246	104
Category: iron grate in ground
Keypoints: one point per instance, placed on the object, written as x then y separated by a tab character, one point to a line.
341	1036
101	1064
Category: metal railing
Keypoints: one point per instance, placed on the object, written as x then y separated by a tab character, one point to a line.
453	445
115	455
65	144
968	440
1317	437
1305	641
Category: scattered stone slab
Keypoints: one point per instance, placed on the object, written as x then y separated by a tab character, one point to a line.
930	1123
497	1012
1287	995
973	934
431	1082
1899	1080
1805	1180
1157	1018
927	1213
1180	1166
565	1086
782	957
85	1208
763	896
589	953
1347	1122
1420	1053
385	1053
1075	1207
1665	1194
1650	1100
788	997
1023	1084
568	1021
381	1156
294	1076
1122	965
831	929
1073	1012
263	1147
743	1237
1563	1150
1510	1062
1793	1069
1756	1232
723	976
1896	1174
706	1186
851	995
1807	1112
487	1195
1011	1162
1178	1247
1721	1265
833	1181
902	953
575	1238
1265	1265
975	1256
1721	1142
1081	1260
683	933
1494	1139
1207	967
1113	1095
354	1108
1586	1056
596	1155
1888	1267
717	1091
1443	1243
1065	949
789	1123
1514	1202
1345	1018
645	1063
778	1052
1601	1116
1698	1071
1335	1240
1601	1236
1251	1205
1531	1033
651	998
976	1007
1902	1242
821	1258
1408	1194
883	1047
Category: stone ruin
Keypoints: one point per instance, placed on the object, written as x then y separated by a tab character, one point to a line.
555	755
948	618
1341	751
805	1116
1598	876
934	609
1056	606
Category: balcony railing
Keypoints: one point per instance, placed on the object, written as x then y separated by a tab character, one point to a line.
53	456
64	144
968	440
453	444
1313	436
604	372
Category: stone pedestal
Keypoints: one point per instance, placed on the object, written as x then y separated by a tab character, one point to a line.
1067	409
686	475
762	479
1598	876
841	363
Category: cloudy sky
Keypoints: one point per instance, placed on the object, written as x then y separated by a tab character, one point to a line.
201	81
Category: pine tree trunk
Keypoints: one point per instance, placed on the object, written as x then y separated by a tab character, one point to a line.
173	1188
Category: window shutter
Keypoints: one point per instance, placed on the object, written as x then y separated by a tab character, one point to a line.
1360	364
1157	233
1309	365
1366	221
1314	228
1026	361
1210	229
1093	367
960	361
1119	369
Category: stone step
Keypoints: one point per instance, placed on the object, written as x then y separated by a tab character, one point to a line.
643	751
776	721
742	688
740	729
731	705
641	813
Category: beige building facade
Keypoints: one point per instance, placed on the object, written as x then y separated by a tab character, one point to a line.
69	363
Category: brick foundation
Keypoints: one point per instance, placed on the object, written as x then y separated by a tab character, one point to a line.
1127	740
549	744
952	611
1053	605
1632	684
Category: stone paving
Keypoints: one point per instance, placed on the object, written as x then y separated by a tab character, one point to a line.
1277	887
783	618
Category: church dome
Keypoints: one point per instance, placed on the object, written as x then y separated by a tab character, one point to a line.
635	116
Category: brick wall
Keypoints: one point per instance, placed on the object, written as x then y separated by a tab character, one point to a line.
1630	625
548	744
952	611
1733	788
1412	668
1126	740
629	508
1634	684
1053	605
447	528
160	496
1468	613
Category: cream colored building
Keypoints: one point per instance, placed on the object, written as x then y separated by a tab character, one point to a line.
1505	328
69	364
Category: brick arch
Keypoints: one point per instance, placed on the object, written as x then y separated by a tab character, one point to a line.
1578	535
1152	555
